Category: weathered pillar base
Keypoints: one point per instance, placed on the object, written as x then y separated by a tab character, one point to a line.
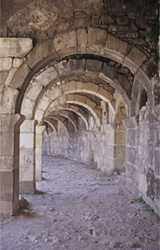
9	163
8	196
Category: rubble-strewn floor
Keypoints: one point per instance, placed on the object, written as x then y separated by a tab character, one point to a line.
82	209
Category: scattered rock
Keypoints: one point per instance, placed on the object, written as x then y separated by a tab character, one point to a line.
23	204
92	232
109	218
136	246
117	245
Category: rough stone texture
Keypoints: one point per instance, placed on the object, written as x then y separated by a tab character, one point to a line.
112	44
38	152
15	47
88	147
120	148
120	134
9	168
27	157
81	209
142	158
9	122
132	22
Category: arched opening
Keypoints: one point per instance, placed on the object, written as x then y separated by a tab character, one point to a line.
143	98
76	83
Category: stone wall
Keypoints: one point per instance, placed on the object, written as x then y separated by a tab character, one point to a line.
27	156
120	148
143	158
93	148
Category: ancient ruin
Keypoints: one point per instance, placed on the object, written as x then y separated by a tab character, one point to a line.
79	80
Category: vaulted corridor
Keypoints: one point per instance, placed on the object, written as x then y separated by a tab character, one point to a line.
79	208
79	125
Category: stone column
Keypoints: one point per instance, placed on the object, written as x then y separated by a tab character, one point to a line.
105	115
120	147
38	151
132	138
27	157
9	163
103	149
12	53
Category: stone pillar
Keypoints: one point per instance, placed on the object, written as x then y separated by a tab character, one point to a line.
120	147
9	163
132	138
12	53
120	135
27	157
143	157
38	151
105	115
92	123
103	149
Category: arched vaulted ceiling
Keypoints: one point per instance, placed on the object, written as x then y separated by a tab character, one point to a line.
133	22
74	87
80	68
75	110
65	118
52	125
106	40
111	63
129	60
78	100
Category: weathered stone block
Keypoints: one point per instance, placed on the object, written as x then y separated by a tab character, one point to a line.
5	64
82	39
131	154
77	65
115	44
96	37
134	59
93	65
18	79
65	43
157	161
15	47
131	137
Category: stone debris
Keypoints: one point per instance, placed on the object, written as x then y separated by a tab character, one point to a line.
105	220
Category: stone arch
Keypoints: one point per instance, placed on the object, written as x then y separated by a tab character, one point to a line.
91	41
49	140
67	117
74	88
66	121
72	114
136	104
79	100
76	111
143	98
80	41
54	118
40	85
51	125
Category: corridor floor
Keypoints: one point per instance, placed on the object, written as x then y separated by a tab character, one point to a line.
81	208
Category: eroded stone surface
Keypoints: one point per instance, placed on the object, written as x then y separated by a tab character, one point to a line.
15	47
